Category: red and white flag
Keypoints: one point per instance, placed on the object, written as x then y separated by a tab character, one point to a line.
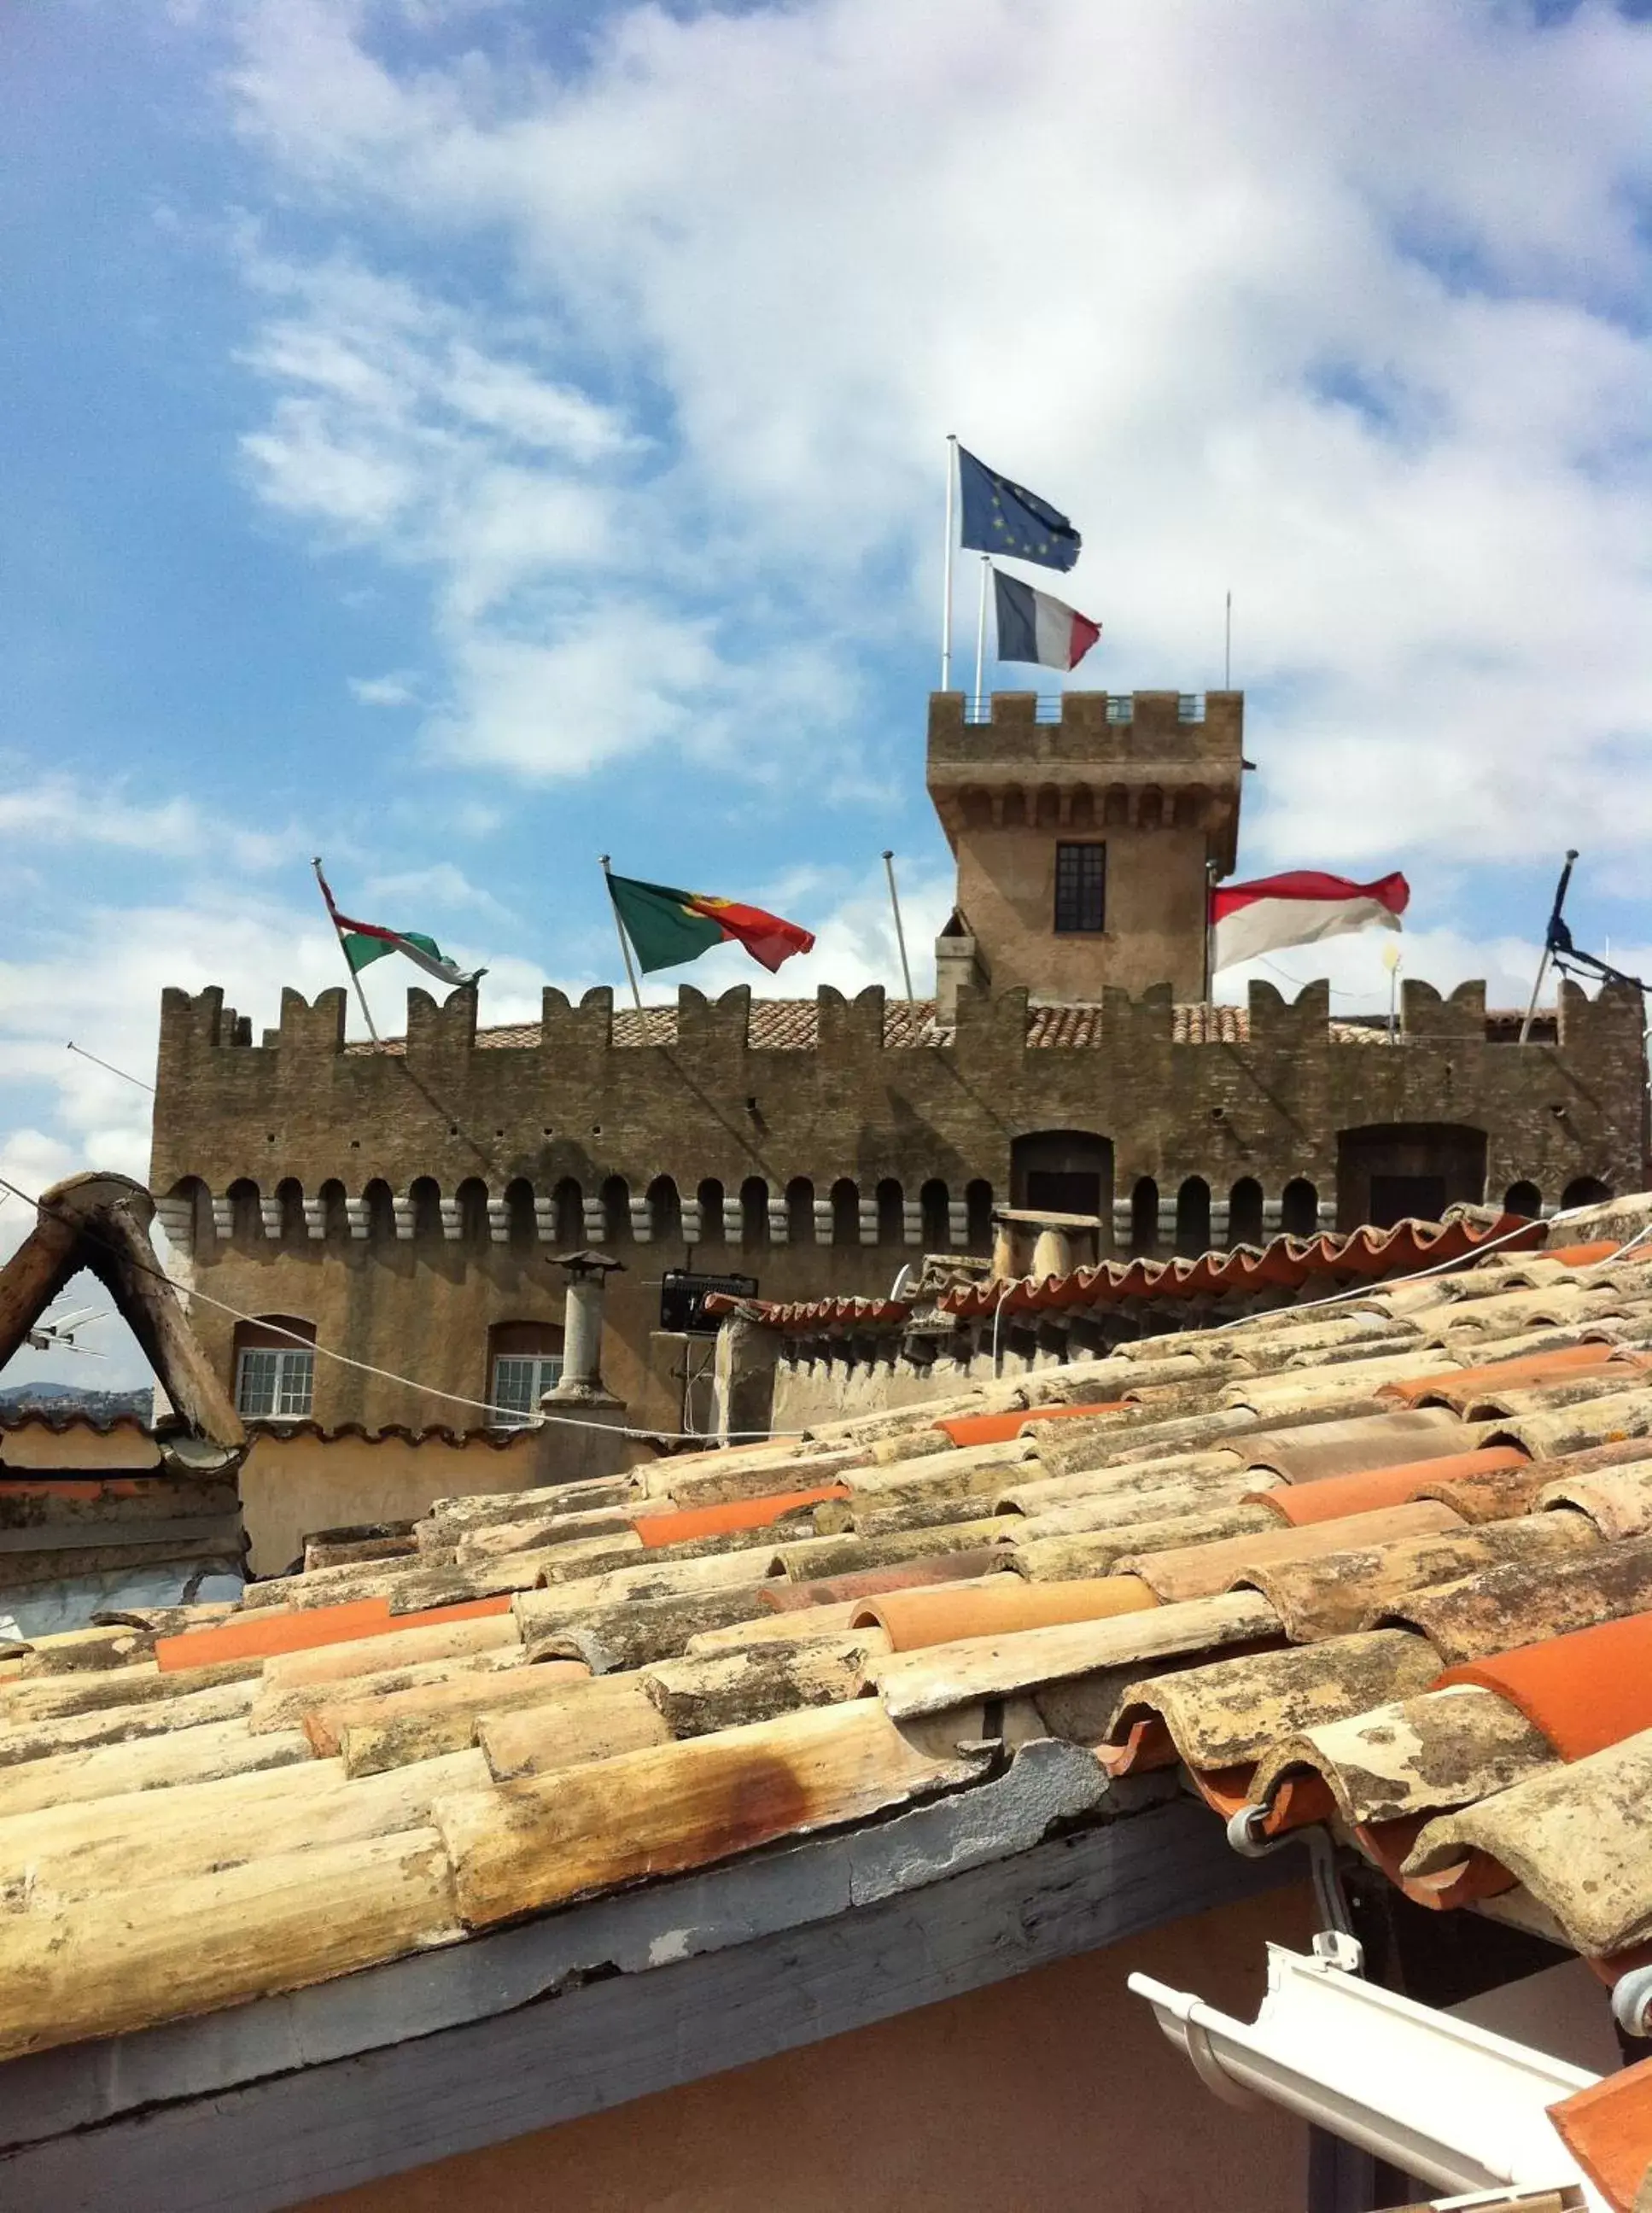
1298	908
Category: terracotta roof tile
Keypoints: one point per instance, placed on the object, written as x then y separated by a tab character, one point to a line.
1445	1657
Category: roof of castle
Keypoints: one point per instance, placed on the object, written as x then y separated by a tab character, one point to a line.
793	1026
1385	1566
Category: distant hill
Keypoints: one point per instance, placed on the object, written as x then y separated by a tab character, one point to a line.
72	1398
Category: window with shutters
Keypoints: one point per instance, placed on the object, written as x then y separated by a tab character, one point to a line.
1081	889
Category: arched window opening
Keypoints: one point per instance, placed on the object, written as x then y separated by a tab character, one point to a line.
800	1211
616	1211
426	1193
1193	1218
274	1377
1145	1218
1585	1190
473	1198
569	1198
1523	1198
711	1226
845	1212
754	1214
246	1222
937	1217
521	1223
891	1222
1299	1209
1245	1212
524	1362
977	1204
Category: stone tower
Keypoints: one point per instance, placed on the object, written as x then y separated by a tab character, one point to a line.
1084	831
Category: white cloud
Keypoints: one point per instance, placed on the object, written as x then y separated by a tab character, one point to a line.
1280	298
389	691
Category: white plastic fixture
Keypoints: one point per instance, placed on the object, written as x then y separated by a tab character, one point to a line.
1451	2104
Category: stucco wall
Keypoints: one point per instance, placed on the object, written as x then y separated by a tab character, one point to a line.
1051	2092
291	1486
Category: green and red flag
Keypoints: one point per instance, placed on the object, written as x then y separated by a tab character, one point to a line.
667	927
364	942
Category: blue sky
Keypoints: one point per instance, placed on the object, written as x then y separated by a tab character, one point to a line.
462	437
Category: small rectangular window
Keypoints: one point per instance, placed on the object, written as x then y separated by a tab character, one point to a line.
275	1386
519	1381
1081	888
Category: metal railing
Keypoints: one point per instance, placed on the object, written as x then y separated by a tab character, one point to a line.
1047	707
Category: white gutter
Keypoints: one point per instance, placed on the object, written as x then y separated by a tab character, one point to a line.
1451	2104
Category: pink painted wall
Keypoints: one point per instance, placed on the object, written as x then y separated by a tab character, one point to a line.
1051	2092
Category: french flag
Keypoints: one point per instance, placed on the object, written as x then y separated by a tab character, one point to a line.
1034	627
1298	908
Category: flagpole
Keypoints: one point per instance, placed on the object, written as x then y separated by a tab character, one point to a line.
946	598
333	917
1227	647
619	928
1210	870
1548	943
980	631
900	934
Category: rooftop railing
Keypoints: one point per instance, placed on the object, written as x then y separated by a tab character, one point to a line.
978	707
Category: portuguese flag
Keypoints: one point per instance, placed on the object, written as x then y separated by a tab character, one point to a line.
668	927
367	941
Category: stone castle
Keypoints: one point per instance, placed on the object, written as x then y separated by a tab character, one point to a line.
404	1203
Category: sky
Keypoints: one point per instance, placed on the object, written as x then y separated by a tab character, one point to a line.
462	438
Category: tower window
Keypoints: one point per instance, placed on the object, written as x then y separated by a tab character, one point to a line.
275	1378
1081	887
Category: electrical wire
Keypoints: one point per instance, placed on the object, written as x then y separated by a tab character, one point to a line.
385	1375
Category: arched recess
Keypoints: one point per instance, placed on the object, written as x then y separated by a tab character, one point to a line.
1014	816
524	1362
1245	1212
938	1216
1047	812
711	1226
191	1212
380	1203
1062	1171
425	1194
1149	808
977	1214
1585	1190
273	1377
1299	1208
569	1199
616	1211
1081	812
891	1219
1389	1172
472	1199
665	1211
977	807
1193	1218
246	1222
1145	1218
845	1212
522	1225
1523	1197
800	1211
290	1198
754	1214
1115	808
335	1217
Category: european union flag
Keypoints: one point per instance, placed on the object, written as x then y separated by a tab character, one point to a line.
1001	517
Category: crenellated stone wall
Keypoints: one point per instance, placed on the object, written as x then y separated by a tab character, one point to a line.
406	1200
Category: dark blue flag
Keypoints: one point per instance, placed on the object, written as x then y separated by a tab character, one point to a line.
1001	517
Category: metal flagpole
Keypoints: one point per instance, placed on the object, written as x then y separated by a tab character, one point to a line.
980	631
1227	647
333	917
946	599
900	934
1210	937
619	928
1548	943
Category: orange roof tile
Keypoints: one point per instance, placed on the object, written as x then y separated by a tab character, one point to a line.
1584	1690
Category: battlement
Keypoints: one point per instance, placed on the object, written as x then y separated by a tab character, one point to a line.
1092	728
